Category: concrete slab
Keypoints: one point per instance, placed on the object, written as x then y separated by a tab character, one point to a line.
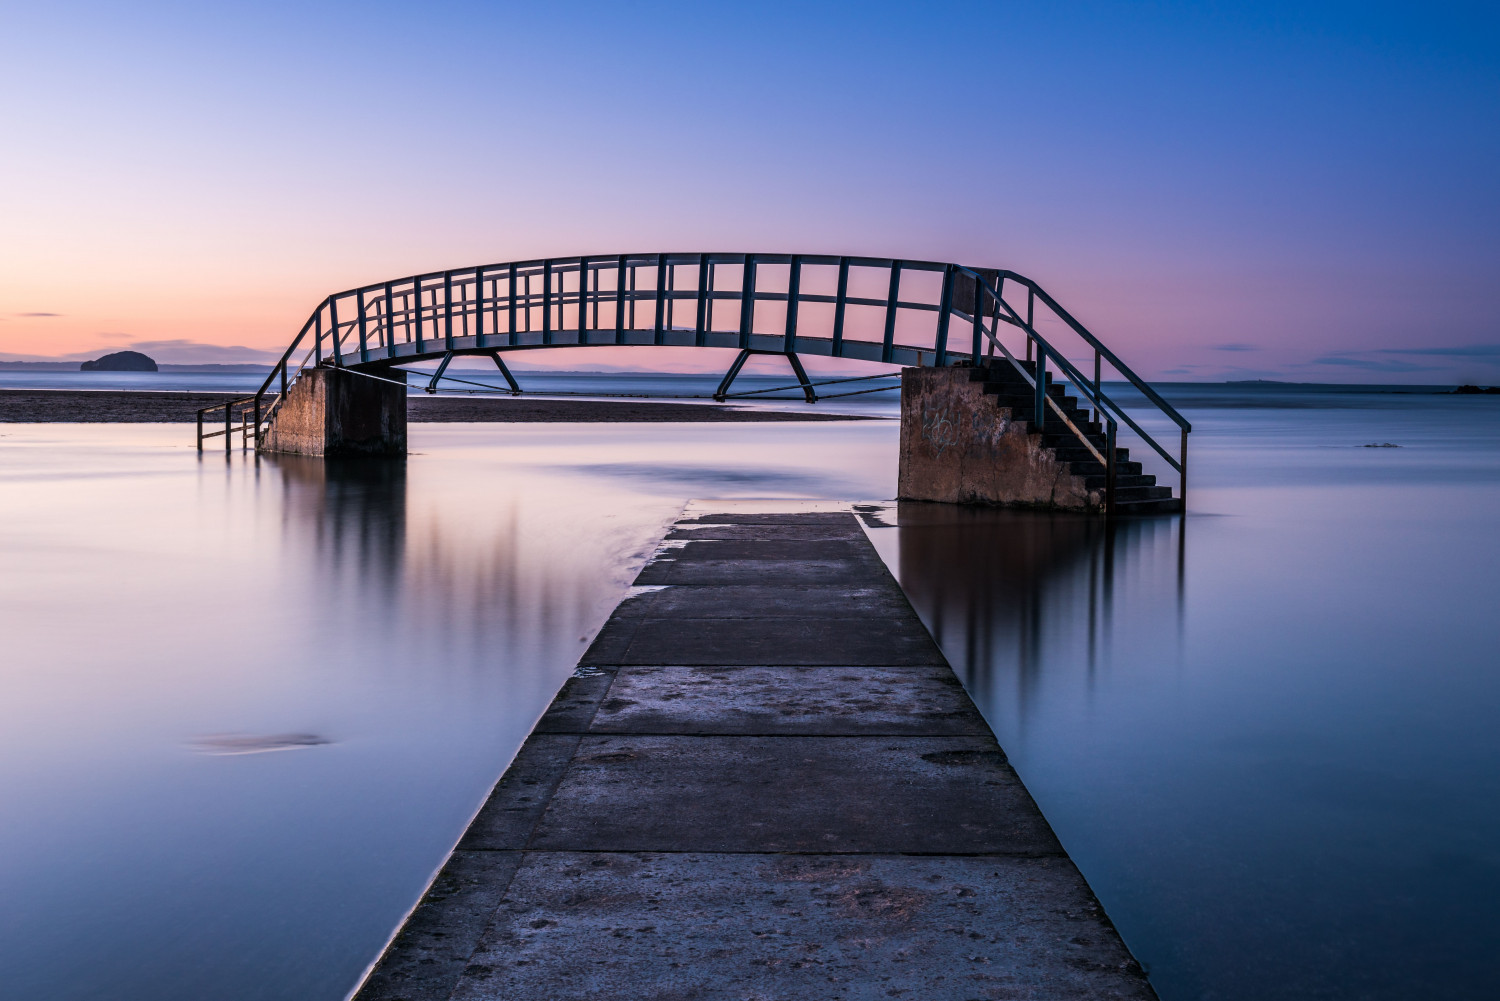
881	600
780	550
749	642
927	795
823	928
437	941
788	700
786	518
763	533
509	816
732	571
574	707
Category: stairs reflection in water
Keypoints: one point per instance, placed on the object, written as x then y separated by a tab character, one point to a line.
1015	594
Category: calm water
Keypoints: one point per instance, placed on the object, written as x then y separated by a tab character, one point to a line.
247	706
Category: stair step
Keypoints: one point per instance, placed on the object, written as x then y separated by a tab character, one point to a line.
1166	505
1141	493
1097	481
1091	467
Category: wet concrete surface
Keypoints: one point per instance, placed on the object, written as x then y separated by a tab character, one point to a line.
763	782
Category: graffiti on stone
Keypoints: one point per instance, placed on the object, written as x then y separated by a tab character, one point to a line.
939	428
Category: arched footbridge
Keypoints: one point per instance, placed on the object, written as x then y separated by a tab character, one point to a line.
1030	353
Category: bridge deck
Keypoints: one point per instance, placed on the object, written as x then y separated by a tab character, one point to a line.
764	781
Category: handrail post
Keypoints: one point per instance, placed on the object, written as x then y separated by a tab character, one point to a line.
387	329
1097	409
416	312
789	337
257	423
657	336
1182	489
200	430
333	325
448	310
1041	389
515	337
318	336
841	297
283	379
892	300
620	300
1109	468
945	314
700	317
747	303
546	300
228	437
978	321
364	330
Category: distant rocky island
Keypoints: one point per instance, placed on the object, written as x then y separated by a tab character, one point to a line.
120	361
1476	391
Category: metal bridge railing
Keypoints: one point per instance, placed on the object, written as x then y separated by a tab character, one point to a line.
890	311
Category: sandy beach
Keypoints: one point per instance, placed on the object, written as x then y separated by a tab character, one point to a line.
60	406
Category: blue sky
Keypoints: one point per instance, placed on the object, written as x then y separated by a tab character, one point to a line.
1220	191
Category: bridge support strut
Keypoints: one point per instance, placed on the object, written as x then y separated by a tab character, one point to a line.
722	393
515	387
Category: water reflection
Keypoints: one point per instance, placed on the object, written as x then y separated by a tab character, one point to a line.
346	510
1009	593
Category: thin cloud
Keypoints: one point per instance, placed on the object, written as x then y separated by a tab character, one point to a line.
33	315
181	351
1463	351
1372	364
1234	347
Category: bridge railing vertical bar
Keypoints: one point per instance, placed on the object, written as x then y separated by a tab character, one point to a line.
510	288
700	313
747	302
977	323
620	300
659	312
840	306
793	290
594	295
659	315
547	301
945	312
364	344
388	323
893	298
416	313
333	330
671	296
583	300
495	305
447	310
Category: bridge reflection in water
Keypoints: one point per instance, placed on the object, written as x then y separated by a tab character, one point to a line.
1021	599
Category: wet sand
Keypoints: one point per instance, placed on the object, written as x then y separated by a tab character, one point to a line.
65	406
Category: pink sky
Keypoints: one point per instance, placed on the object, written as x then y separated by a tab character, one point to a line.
1217	196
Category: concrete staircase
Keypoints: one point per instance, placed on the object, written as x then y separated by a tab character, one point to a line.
1136	492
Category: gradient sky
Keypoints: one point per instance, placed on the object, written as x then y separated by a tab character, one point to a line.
1307	192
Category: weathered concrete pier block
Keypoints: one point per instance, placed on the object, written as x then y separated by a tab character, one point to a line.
960	447
329	412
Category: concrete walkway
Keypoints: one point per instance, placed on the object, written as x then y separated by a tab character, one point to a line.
764	782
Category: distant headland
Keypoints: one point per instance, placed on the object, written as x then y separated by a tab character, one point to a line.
120	361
